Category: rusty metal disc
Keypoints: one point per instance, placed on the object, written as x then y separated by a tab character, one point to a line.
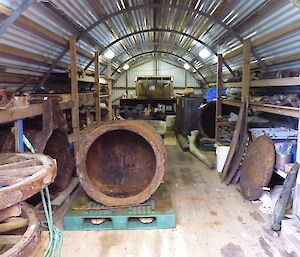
257	167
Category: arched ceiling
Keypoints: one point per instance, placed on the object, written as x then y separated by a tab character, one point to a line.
133	27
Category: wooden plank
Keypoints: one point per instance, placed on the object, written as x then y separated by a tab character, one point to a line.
30	111
296	201
9	239
281	110
275	109
57	201
74	91
126	83
6	49
20	164
234	143
22	172
153	77
277	33
12	224
293	81
110	110
97	87
12	70
219	93
12	211
246	70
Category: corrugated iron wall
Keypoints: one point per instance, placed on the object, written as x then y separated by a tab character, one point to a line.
149	68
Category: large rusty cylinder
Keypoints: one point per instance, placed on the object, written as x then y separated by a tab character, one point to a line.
121	162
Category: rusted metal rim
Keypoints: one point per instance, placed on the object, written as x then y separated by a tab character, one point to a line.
141	128
30	238
41	174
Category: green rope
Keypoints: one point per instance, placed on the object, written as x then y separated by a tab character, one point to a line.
55	235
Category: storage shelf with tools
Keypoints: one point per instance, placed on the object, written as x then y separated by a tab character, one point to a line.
280	82
275	109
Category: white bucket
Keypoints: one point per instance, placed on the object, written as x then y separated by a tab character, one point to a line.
222	152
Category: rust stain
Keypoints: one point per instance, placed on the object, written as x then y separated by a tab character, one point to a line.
266	247
232	250
256	216
215	223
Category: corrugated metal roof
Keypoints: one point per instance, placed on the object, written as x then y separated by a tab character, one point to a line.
83	13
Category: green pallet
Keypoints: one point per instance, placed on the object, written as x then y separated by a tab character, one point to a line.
118	219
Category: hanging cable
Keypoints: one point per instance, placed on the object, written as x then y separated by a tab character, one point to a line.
55	234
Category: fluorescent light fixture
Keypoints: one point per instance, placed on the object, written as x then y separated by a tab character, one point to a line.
204	53
186	66
109	54
126	66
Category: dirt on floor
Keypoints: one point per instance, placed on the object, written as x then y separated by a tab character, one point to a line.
212	220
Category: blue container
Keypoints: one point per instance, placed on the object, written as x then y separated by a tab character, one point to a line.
211	94
294	154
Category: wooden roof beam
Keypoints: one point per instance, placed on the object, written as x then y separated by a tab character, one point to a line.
268	62
28	55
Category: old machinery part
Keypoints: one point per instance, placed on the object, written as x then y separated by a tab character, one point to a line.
239	127
22	175
24	243
207	118
6	97
121	162
195	151
257	167
52	140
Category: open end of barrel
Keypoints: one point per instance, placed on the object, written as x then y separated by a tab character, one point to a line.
120	163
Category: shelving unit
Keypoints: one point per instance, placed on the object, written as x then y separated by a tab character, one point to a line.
69	101
246	84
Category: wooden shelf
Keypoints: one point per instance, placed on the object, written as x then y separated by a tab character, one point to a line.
281	110
293	81
26	112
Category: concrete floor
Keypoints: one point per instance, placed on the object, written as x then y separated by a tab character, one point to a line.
212	220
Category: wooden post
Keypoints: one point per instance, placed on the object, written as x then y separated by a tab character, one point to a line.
156	67
97	87
185	78
219	93
126	74
296	201
109	79
19	145
74	91
246	69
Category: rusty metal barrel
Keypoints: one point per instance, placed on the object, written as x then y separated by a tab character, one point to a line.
121	162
